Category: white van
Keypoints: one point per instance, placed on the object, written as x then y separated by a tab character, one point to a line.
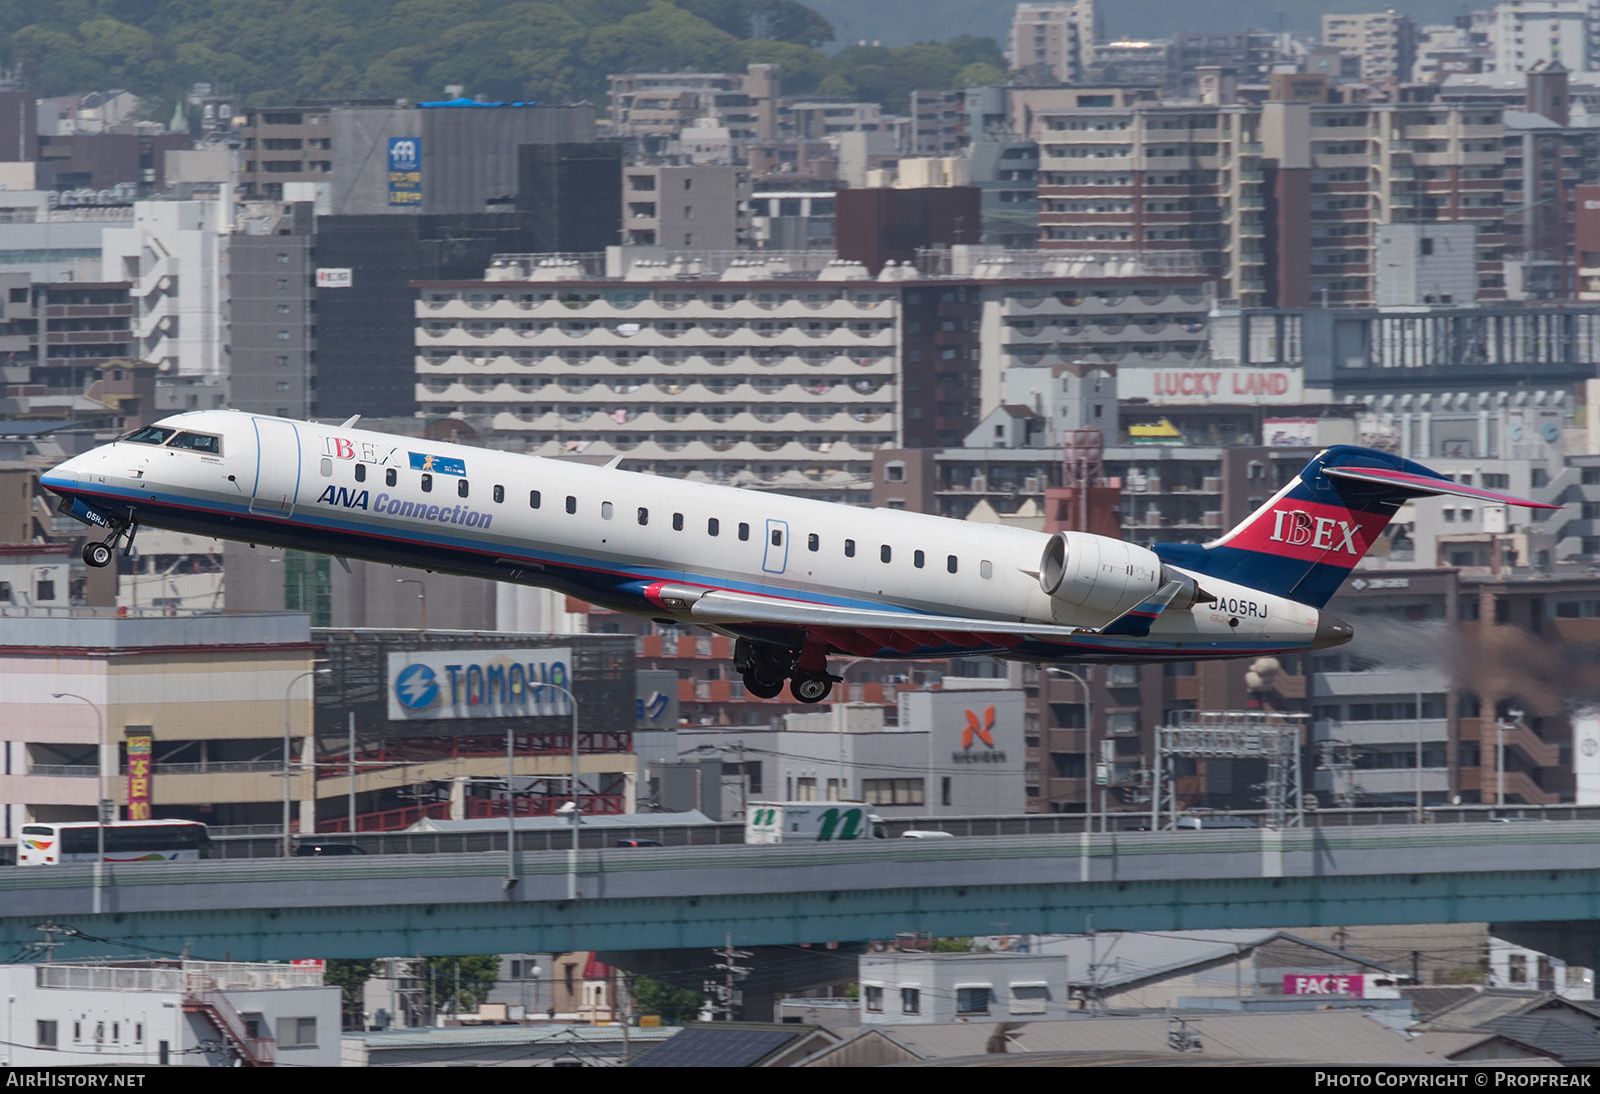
1210	821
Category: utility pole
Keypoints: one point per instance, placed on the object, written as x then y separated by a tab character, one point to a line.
726	998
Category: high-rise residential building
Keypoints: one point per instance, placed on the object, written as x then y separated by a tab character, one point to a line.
1004	168
273	281
285	144
1526	32
683	207
1279	199
175	257
1054	41
1385	42
780	370
1547	159
652	107
775	371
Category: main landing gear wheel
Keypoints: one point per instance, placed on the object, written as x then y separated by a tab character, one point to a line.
810	687
97	554
760	687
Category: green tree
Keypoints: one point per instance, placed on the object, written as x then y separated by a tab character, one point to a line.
350	976
454	984
675	1005
980	74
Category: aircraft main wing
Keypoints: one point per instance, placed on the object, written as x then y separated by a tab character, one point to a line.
726	607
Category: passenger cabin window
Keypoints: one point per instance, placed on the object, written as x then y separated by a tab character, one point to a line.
777	537
885	553
986	569
950	564
713	526
499	493
677	522
644	516
533	499
813	542
361	472
918	558
390	477
605	510
744	531
461	488
572	504
427	483
849	548
198	442
327	467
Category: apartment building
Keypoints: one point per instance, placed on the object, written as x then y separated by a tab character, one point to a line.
161	1013
776	371
1280	200
797	367
1054	41
1546	160
286	144
685	207
174	255
1385	42
653	107
1525	32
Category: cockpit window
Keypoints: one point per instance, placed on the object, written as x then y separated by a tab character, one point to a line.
199	442
150	434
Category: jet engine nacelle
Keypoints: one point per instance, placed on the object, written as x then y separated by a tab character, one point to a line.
1107	575
1102	575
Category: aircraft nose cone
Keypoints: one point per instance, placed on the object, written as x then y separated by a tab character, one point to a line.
1331	631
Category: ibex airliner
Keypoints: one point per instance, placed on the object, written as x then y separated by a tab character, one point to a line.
794	581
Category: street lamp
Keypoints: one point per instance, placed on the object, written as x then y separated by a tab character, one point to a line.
1500	756
100	786
422	595
1088	746
846	667
288	748
511	813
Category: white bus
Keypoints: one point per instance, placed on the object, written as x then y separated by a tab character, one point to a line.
125	841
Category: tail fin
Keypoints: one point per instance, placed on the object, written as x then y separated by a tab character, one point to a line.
1303	542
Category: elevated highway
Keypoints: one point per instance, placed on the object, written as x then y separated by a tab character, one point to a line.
670	897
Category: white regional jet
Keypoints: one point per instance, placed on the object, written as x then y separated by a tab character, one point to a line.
792	580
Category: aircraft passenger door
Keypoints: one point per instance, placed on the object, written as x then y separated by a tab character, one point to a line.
277	480
777	551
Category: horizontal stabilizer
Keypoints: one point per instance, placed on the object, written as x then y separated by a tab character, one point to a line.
1422	486
1137	620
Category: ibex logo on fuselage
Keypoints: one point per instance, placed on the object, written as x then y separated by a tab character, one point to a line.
1299	528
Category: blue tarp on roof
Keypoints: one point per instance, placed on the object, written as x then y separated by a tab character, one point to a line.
463	101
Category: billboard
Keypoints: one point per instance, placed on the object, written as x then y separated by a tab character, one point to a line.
1353	985
1222	385
405	170
139	773
479	684
1289	432
330	278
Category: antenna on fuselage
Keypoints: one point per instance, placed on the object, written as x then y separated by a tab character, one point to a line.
350	421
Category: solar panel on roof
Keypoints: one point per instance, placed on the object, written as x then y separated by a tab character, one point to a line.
715	1048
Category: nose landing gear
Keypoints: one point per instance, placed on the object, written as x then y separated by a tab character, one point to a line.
99	554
